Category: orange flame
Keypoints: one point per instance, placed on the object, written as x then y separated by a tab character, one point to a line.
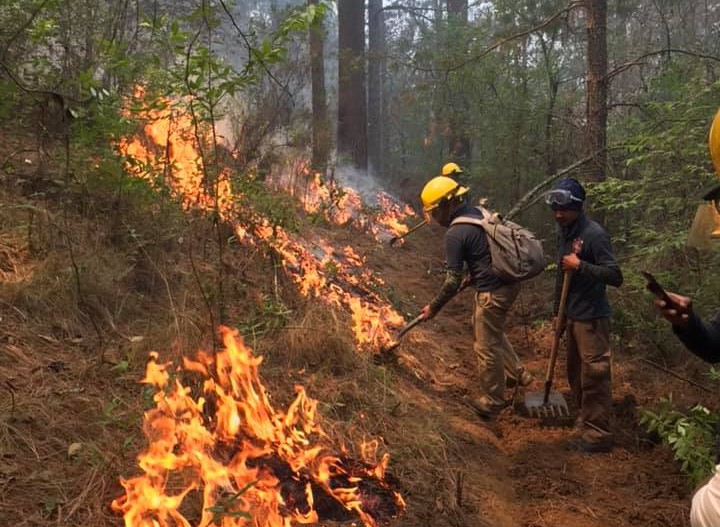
342	205
171	146
223	450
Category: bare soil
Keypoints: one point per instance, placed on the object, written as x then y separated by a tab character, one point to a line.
519	471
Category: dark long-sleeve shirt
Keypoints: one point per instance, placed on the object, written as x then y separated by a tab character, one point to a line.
466	244
702	338
587	296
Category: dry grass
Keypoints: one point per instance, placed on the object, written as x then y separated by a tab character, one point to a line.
81	304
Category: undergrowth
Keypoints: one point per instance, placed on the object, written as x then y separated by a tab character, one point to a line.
691	435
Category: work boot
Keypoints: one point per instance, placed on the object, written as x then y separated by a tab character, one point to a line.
524	377
485	411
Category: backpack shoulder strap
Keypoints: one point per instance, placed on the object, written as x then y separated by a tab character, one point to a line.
470	220
474	220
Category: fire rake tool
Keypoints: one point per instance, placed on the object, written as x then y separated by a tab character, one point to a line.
550	403
396	239
386	352
398	338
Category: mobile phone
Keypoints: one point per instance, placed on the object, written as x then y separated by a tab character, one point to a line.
656	289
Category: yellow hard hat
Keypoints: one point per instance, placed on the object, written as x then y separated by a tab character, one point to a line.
450	169
705	227
439	189
713	193
714	142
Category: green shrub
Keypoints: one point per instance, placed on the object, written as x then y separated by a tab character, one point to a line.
691	436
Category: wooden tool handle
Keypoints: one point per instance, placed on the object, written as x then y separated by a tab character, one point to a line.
559	321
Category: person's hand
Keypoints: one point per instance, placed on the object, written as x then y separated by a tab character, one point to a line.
570	262
426	313
562	325
678	314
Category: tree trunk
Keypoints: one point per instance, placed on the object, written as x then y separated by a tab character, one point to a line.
459	148
352	105
596	109
320	125
376	84
459	8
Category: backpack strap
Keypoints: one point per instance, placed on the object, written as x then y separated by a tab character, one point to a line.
474	220
470	220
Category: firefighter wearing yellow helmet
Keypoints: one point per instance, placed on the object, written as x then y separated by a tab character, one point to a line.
451	170
439	190
700	337
466	246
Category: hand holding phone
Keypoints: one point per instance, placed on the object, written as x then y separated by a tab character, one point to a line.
656	289
677	312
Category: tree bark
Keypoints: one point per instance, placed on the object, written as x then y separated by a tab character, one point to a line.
320	125
459	147
376	87
459	8
596	109
352	104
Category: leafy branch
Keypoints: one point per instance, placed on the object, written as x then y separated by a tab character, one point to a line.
691	436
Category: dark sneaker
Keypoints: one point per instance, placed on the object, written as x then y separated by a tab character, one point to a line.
582	445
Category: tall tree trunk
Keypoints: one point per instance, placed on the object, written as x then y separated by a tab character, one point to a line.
596	109
376	84
352	104
320	125
459	148
459	8
553	85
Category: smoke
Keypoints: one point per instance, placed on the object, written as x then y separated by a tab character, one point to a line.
362	182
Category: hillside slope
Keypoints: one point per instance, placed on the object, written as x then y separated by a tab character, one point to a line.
92	282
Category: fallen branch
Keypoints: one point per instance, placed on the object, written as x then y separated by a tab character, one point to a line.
673	374
530	194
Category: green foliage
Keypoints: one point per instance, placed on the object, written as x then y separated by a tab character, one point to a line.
228	506
278	208
691	436
651	199
270	314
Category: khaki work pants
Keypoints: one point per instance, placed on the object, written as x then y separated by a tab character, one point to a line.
495	354
589	375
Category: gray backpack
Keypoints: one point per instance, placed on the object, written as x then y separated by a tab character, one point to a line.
516	253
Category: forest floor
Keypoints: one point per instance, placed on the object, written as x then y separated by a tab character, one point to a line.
518	471
69	420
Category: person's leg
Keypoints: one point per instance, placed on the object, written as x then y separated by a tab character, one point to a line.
490	368
573	363
593	343
491	346
505	298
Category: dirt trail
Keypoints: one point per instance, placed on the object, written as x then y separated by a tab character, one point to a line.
518	472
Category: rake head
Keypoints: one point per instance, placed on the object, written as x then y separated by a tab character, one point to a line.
555	406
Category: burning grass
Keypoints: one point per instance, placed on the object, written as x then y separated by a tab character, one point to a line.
230	441
70	405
